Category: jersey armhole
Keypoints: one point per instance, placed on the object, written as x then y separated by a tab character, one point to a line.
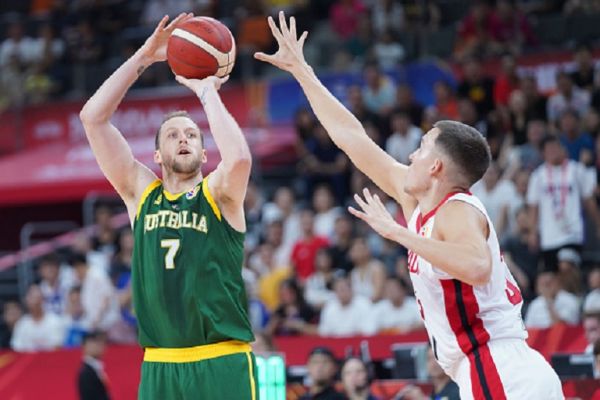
153	185
208	196
487	219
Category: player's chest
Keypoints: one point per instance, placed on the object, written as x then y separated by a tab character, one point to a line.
416	264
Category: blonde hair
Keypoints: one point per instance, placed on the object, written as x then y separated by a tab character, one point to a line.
175	114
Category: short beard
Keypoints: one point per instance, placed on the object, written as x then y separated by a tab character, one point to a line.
178	167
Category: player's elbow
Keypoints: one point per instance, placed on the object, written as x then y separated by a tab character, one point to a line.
481	272
242	162
89	117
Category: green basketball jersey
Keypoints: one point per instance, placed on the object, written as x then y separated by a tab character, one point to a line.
186	271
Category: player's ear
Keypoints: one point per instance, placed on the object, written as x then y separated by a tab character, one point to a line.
436	167
157	157
204	156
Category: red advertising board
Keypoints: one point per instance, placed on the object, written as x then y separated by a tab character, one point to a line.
58	164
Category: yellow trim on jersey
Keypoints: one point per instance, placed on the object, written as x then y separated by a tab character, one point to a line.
251	373
210	199
197	353
170	196
145	195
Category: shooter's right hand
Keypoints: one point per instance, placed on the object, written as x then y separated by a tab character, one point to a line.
155	47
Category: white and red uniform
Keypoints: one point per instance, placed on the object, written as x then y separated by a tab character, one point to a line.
477	332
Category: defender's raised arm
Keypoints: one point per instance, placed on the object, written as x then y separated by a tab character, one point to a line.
343	128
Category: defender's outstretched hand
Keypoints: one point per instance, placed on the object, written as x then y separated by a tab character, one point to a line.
289	56
155	47
375	214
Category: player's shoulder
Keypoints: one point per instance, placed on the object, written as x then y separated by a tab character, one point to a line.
461	213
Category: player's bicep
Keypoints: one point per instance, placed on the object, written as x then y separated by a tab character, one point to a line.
462	223
114	156
228	183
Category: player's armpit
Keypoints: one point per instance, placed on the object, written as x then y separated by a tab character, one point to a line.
228	188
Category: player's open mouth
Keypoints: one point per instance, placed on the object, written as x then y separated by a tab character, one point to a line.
184	152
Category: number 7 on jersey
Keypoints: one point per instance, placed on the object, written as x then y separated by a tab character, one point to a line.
172	245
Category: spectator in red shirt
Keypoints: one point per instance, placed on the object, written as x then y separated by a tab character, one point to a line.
305	249
507	82
509	28
445	100
474	31
345	16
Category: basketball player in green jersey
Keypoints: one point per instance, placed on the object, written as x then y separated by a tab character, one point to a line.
188	292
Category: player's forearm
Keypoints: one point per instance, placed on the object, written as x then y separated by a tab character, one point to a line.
227	134
461	261
342	126
103	104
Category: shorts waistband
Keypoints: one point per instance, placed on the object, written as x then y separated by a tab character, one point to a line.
196	353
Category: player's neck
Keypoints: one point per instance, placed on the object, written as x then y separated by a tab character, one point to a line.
435	195
179	183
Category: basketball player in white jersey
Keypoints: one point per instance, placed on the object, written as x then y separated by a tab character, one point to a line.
469	301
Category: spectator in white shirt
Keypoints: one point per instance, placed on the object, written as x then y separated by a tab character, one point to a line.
54	290
591	329
553	305
405	137
325	211
37	330
346	314
591	304
368	274
98	296
556	191
388	52
567	96
380	91
317	289
283	208
495	194
397	312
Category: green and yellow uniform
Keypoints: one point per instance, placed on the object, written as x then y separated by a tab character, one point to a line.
189	299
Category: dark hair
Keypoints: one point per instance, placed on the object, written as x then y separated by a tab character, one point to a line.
368	371
174	114
467	148
570	111
592	314
94	335
548	139
563	74
399	281
596	350
50	259
323	350
75	289
77	258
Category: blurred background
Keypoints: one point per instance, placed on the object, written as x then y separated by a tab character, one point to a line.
321	286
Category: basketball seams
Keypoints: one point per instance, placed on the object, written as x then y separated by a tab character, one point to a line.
224	62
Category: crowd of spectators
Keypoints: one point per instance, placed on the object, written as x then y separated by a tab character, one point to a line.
56	49
310	267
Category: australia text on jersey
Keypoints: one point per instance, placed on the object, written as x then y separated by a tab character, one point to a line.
175	220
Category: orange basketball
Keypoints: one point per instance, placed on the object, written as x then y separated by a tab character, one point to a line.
201	47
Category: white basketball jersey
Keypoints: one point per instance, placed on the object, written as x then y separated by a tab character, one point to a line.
460	318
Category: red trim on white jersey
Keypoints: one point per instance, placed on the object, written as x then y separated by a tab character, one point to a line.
462	309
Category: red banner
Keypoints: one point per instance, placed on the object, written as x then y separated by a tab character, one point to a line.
68	171
137	116
52	375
